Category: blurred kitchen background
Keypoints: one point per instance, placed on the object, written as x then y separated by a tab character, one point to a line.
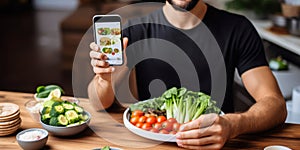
39	39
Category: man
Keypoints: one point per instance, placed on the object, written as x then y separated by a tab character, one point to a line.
241	48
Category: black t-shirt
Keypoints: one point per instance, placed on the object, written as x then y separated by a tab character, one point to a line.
202	59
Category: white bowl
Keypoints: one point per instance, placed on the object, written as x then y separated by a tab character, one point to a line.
276	147
144	133
33	144
67	131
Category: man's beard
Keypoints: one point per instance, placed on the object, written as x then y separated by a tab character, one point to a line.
188	7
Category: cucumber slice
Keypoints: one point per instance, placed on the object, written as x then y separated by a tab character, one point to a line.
62	120
72	116
68	106
46	118
83	117
56	110
55	94
78	109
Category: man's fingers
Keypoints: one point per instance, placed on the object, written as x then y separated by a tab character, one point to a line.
97	55
195	133
198	142
94	47
202	122
125	42
99	63
99	70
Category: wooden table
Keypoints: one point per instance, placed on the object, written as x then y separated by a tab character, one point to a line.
108	129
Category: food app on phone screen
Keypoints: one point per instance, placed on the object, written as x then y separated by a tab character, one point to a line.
108	37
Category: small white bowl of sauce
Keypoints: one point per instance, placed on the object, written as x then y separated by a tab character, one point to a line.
277	147
32	139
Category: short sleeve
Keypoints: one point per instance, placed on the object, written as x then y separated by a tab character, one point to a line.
250	48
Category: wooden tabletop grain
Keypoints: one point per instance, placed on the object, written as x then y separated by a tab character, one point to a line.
106	128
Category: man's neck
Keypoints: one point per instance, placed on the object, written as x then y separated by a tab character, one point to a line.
185	20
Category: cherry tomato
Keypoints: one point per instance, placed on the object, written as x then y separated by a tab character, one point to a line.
176	126
147	126
172	120
167	125
139	124
161	119
134	120
164	131
173	132
138	113
157	126
143	119
154	130
151	120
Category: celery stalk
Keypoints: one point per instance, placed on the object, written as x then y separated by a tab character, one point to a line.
203	105
184	105
188	106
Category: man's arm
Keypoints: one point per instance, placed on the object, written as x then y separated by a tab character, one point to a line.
268	112
101	89
101	95
269	109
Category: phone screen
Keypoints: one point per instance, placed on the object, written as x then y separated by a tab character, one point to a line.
107	30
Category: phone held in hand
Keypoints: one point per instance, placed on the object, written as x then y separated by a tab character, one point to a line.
108	36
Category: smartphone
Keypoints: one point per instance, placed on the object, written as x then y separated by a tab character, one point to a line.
108	36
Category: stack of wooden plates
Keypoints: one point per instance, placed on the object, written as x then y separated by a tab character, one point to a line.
10	120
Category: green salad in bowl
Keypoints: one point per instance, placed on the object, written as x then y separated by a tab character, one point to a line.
64	118
63	113
60	116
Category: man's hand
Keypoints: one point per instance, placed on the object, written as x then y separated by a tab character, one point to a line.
99	64
209	131
98	61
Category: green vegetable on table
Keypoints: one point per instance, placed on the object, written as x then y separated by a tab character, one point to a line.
57	113
181	104
44	91
43	94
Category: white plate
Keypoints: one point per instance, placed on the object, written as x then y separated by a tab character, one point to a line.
144	133
148	134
